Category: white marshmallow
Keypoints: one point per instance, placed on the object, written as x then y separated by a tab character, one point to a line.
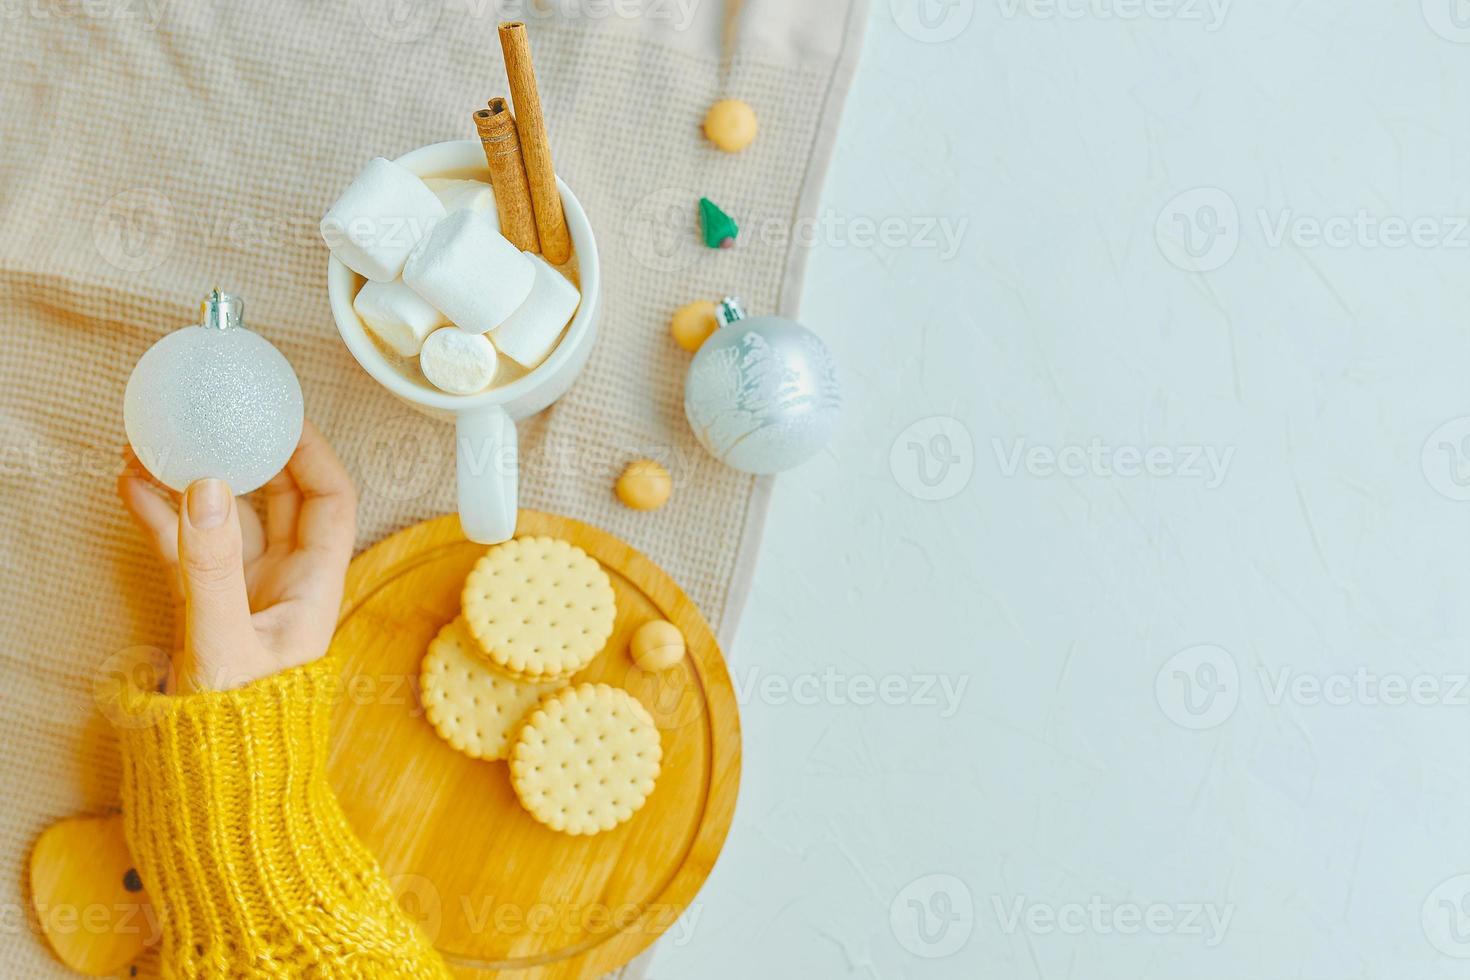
379	218
458	362
398	315
533	329
467	269
463	195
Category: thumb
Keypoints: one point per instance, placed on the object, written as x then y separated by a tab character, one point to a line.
217	631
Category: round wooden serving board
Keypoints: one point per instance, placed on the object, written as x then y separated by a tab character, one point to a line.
494	889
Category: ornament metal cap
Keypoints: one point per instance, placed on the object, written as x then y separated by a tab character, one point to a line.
729	311
222	311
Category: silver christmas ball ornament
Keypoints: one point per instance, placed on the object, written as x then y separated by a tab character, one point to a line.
214	400
762	393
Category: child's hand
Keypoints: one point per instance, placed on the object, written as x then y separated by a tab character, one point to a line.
251	601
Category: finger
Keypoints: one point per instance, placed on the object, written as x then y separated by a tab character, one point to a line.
252	534
218	632
141	493
282	505
153	508
327	520
133	466
153	514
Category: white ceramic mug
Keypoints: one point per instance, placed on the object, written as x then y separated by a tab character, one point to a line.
485	432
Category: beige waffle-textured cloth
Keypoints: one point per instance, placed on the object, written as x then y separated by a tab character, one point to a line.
150	149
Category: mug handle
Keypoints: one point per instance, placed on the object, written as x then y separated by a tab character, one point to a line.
486	450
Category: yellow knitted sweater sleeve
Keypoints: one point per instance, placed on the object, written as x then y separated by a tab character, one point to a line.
242	846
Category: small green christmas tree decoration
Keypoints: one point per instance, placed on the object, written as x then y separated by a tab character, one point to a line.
720	230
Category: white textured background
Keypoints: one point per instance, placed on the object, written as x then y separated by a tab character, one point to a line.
1213	722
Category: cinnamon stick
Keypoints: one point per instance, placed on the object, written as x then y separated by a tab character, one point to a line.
497	129
551	222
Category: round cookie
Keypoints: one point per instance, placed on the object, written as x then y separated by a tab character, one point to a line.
730	125
471	706
539	608
657	645
644	485
586	760
692	325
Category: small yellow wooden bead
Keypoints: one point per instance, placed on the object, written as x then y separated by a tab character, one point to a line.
693	324
657	645
730	125
644	485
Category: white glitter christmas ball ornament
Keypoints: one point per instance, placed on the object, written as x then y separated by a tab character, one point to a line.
214	400
762	393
